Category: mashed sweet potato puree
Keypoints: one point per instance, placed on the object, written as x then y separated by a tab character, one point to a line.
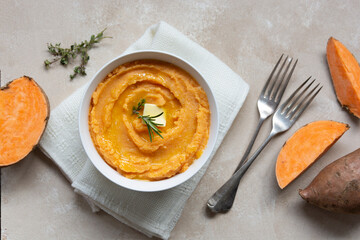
122	139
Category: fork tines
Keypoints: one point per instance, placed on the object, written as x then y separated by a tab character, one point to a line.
298	101
275	85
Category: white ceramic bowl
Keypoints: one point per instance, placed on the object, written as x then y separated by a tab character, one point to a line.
102	166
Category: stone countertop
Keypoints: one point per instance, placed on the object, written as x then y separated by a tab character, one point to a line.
37	202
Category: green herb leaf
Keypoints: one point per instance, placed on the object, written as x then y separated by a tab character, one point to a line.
66	54
148	120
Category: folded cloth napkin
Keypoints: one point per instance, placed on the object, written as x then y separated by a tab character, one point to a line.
154	214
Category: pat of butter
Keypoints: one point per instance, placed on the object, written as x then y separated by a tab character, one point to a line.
153	110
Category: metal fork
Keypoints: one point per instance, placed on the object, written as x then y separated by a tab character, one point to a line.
270	97
283	119
268	101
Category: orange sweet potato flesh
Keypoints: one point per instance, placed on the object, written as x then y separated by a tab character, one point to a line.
304	147
337	187
24	111
345	74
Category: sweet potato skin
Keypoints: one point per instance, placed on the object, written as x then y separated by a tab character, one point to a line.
18	134
304	147
345	74
337	187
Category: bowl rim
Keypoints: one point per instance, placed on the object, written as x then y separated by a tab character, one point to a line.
112	174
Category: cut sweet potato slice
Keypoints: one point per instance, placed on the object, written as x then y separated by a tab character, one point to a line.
345	74
24	111
305	147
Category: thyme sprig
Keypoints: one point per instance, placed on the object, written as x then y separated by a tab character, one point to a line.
149	121
65	55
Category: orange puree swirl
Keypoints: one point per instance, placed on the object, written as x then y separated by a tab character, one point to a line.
123	140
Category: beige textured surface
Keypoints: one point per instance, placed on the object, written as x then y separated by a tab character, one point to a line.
38	203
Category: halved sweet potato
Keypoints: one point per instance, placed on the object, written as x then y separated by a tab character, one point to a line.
24	111
345	74
337	187
305	147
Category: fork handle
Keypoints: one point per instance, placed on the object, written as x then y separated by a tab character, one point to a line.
222	200
251	143
230	199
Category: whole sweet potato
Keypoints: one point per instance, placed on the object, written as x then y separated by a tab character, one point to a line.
337	187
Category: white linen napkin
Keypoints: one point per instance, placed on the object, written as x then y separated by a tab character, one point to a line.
154	214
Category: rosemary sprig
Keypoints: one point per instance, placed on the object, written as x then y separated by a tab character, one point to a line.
65	55
139	106
148	120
